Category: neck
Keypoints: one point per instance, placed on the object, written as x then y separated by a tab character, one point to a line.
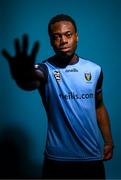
64	61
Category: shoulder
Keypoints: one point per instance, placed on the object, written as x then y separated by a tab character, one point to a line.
40	67
90	65
88	62
43	66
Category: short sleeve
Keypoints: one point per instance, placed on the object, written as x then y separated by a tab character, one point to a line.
99	82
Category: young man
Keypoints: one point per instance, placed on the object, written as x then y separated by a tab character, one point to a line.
71	91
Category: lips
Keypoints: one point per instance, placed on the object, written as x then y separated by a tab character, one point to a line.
64	49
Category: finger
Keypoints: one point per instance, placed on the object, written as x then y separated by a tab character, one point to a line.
25	43
34	51
6	55
17	46
107	156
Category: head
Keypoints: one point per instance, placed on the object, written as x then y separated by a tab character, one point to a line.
63	35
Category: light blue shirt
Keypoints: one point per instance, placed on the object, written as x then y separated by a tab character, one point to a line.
73	133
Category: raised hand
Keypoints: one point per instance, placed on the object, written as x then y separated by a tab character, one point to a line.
21	62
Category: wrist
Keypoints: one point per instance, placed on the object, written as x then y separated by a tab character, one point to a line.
109	143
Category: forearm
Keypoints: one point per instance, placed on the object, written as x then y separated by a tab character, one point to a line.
27	85
104	124
25	78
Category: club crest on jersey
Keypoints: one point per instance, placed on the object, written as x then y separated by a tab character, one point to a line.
88	76
57	75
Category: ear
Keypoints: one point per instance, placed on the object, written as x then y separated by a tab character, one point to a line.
77	37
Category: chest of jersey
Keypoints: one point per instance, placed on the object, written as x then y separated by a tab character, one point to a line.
74	81
70	100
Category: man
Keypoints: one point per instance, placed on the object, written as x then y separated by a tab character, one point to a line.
71	91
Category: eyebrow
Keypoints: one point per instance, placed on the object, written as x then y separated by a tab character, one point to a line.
58	33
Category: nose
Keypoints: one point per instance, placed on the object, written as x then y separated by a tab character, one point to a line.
64	39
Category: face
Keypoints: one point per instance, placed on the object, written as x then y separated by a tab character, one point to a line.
63	38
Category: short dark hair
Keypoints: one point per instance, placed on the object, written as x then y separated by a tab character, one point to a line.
61	17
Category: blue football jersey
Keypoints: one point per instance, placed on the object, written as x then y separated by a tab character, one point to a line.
69	100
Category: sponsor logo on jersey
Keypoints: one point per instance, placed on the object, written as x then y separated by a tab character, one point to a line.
73	95
71	70
88	76
57	75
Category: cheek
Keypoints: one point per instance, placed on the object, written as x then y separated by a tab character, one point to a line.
55	44
73	43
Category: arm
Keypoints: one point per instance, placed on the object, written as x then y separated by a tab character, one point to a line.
104	125
33	79
22	65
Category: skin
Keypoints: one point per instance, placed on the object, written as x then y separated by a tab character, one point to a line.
63	39
104	125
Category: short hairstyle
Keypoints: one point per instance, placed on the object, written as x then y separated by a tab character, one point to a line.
61	17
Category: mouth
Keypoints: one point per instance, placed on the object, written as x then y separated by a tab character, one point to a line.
64	49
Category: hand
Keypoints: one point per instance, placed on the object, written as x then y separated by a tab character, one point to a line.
108	151
22	62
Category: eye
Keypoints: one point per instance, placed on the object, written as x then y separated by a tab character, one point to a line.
55	37
68	34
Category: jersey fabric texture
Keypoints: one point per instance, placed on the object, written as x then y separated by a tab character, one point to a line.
69	100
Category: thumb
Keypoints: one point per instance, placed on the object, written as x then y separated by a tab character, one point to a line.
6	55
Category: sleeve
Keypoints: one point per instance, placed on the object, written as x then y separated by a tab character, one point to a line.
99	83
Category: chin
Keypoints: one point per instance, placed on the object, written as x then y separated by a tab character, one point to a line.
65	55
